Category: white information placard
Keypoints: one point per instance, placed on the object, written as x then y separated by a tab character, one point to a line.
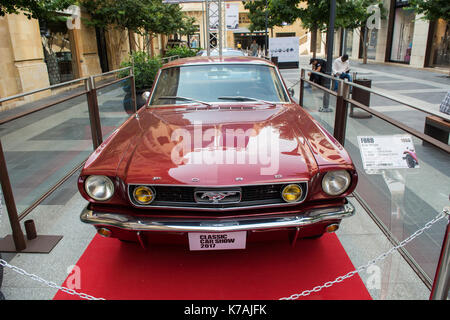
388	152
285	48
217	241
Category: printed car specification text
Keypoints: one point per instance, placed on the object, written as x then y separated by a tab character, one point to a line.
231	309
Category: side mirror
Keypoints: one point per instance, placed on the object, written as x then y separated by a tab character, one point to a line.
291	91
146	95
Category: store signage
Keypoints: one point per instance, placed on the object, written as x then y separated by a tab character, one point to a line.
388	152
285	48
374	21
232	15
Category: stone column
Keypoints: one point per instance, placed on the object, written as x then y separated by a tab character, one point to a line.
419	42
22	63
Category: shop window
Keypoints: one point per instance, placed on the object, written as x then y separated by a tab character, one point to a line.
57	49
440	46
372	43
403	31
243	18
348	42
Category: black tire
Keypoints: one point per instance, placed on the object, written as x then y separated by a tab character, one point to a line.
410	161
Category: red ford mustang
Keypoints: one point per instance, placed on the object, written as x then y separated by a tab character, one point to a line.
219	154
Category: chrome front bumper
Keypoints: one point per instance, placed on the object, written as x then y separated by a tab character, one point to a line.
133	223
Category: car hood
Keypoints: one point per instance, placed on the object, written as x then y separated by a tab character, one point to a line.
219	145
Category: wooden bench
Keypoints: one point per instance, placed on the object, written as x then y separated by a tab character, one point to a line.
437	128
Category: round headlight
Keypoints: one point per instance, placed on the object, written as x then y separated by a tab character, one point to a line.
336	182
291	193
99	188
143	195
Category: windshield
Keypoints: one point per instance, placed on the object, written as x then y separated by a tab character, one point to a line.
218	83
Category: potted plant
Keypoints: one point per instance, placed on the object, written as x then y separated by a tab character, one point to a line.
181	52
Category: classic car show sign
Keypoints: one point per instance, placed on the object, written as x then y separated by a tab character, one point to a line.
388	152
217	241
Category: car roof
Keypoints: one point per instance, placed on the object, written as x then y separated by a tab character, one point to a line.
217	59
225	50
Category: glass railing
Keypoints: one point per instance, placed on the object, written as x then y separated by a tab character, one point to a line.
400	200
46	141
115	105
42	147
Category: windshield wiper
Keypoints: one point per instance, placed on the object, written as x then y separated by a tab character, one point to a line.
185	99
241	98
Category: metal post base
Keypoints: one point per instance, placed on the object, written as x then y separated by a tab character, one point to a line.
325	109
40	244
359	114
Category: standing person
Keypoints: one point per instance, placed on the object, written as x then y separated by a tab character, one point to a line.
254	48
341	69
194	43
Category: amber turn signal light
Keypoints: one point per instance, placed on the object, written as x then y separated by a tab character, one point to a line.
332	228
104	232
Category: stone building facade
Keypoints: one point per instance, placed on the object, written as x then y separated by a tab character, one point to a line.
36	54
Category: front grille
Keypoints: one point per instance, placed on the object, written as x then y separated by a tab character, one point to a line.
174	194
233	197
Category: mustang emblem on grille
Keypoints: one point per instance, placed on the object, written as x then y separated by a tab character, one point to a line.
216	197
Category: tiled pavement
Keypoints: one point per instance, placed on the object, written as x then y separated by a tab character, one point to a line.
423	88
402	199
51	141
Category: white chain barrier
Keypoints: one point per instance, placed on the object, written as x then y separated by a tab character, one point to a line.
441	215
445	213
48	283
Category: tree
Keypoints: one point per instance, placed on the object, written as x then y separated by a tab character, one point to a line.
40	10
432	10
144	17
314	14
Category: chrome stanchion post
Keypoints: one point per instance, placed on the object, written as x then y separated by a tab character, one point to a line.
133	88
441	283
340	119
302	87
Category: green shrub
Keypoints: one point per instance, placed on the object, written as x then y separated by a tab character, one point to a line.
145	68
182	52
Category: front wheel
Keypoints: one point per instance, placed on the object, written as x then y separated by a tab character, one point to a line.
410	161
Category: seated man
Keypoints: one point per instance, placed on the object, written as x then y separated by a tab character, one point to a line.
318	65
341	69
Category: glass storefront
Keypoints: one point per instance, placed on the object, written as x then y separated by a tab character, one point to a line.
57	47
403	31
440	46
347	42
372	43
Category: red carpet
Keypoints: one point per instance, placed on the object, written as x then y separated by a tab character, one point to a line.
114	270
